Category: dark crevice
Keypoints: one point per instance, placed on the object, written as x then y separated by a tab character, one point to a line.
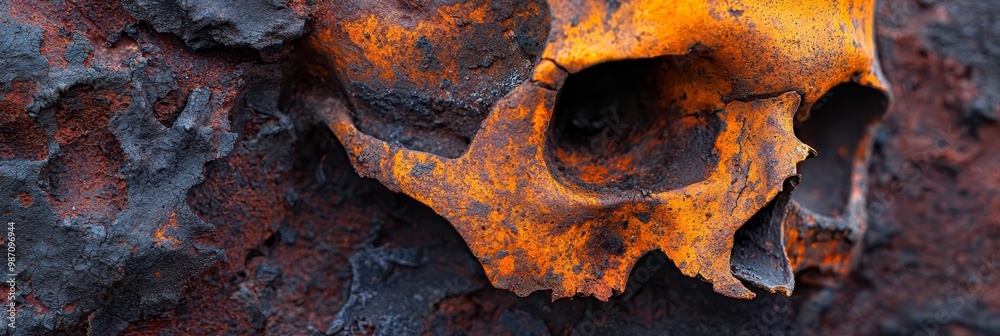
835	128
759	255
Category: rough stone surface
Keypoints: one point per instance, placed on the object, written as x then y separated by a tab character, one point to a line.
257	24
393	291
972	37
105	236
19	55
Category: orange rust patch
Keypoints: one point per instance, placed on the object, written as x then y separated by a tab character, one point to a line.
750	48
721	81
161	236
439	65
577	240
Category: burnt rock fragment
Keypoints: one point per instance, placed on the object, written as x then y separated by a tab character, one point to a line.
253	24
98	195
394	290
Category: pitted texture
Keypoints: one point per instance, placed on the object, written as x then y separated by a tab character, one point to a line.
254	24
717	93
93	179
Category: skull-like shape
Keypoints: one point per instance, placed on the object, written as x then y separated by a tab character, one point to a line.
702	99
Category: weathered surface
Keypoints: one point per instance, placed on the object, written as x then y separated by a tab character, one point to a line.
393	291
585	215
254	24
537	234
826	219
425	74
95	183
931	262
940	226
973	39
289	212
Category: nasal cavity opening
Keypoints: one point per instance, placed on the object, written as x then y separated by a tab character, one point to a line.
836	129
619	126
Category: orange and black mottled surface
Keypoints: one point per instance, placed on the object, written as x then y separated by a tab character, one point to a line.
169	191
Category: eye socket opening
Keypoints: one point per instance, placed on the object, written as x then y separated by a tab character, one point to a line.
621	126
836	129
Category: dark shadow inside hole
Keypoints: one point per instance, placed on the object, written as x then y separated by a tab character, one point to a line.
759	255
616	127
835	129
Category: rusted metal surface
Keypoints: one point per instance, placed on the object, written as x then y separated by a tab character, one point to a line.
104	128
290	213
426	73
716	97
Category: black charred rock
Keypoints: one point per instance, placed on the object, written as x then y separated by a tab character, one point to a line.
88	267
256	24
394	290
